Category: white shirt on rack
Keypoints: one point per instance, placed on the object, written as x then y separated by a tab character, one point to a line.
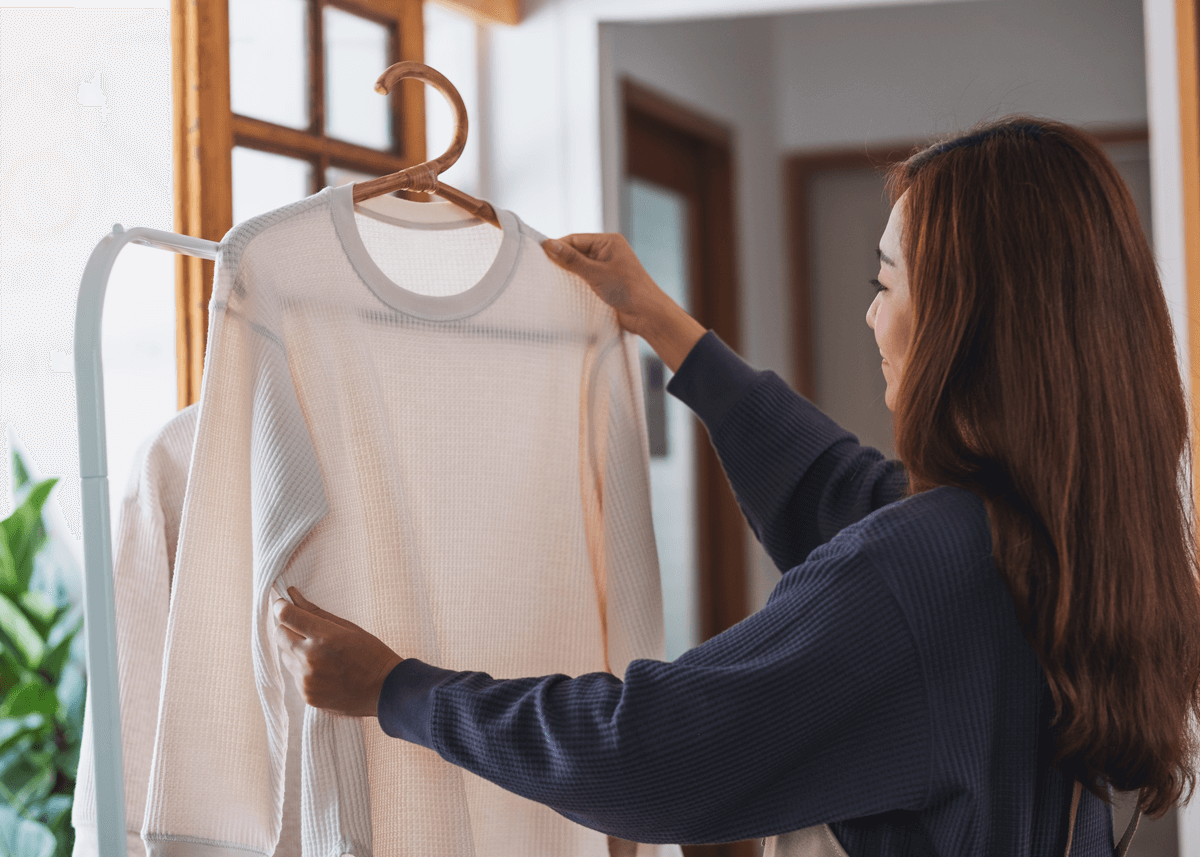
431	430
143	566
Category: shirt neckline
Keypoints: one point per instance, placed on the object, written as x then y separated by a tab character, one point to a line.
416	215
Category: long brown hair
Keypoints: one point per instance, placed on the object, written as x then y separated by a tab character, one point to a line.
1042	376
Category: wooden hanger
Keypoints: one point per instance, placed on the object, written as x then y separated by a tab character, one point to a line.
424	177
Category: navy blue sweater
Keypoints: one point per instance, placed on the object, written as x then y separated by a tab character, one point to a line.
885	688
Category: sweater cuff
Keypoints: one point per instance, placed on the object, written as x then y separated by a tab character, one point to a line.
405	707
712	379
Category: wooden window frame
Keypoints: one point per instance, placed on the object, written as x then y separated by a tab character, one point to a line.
798	169
206	131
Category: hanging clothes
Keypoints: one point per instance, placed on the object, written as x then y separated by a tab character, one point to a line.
143	566
432	431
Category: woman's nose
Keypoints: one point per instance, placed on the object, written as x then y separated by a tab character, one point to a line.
871	314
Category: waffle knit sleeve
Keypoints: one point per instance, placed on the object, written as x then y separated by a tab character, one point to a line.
815	708
254	491
142	564
798	476
633	591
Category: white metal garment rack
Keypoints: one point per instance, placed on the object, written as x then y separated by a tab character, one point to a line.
98	609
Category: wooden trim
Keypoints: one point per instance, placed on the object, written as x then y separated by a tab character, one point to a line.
203	177
281	140
798	170
488	11
679	116
1187	29
206	130
411	95
671	146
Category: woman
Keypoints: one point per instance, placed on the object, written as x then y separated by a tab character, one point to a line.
955	643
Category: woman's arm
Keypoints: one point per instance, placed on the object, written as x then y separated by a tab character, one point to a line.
798	477
811	710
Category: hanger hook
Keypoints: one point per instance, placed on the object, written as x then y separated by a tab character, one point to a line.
421	177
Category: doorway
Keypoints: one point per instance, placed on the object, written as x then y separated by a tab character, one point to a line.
678	217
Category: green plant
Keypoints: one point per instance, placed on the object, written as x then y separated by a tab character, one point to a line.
41	694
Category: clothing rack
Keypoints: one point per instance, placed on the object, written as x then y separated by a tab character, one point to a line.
98	602
98	607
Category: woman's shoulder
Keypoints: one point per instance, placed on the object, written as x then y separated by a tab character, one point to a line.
932	549
943	525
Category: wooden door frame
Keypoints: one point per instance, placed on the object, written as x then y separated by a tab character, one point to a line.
714	302
672	145
799	167
1187	33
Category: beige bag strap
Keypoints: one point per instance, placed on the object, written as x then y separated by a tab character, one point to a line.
1122	846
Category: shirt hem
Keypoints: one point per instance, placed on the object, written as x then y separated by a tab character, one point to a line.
164	845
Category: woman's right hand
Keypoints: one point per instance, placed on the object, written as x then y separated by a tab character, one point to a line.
610	267
608	264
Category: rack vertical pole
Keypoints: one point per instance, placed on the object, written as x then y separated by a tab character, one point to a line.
98	603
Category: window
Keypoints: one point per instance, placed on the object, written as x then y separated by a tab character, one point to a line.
275	100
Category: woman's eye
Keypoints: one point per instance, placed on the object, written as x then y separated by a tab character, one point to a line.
878	286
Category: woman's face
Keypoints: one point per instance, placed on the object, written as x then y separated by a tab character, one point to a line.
889	314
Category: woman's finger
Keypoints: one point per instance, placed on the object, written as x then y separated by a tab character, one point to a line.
304	603
566	256
299	598
302	621
288	635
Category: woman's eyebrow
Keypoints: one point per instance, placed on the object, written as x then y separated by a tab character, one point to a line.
884	258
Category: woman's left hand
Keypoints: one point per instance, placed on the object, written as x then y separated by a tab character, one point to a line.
336	664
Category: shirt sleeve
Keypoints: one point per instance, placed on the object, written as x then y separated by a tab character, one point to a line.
812	710
798	476
632	590
141	587
253	492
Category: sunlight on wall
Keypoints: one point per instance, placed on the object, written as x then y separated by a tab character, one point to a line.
85	142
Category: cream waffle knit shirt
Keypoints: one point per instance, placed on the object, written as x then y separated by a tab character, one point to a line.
143	565
431	430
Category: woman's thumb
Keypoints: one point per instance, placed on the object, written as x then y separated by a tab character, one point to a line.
302	601
565	255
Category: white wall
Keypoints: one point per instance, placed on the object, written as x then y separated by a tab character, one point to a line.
724	70
869	76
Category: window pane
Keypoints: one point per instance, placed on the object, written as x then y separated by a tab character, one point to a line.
657	222
452	47
263	182
337	176
268	60
355	55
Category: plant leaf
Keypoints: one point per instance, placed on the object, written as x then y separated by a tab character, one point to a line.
61	638
11	669
28	778
71	693
34	696
13	730
55	810
10	584
40	783
20	837
21	637
24	532
39	609
67	761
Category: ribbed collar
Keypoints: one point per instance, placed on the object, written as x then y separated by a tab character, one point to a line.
404	214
